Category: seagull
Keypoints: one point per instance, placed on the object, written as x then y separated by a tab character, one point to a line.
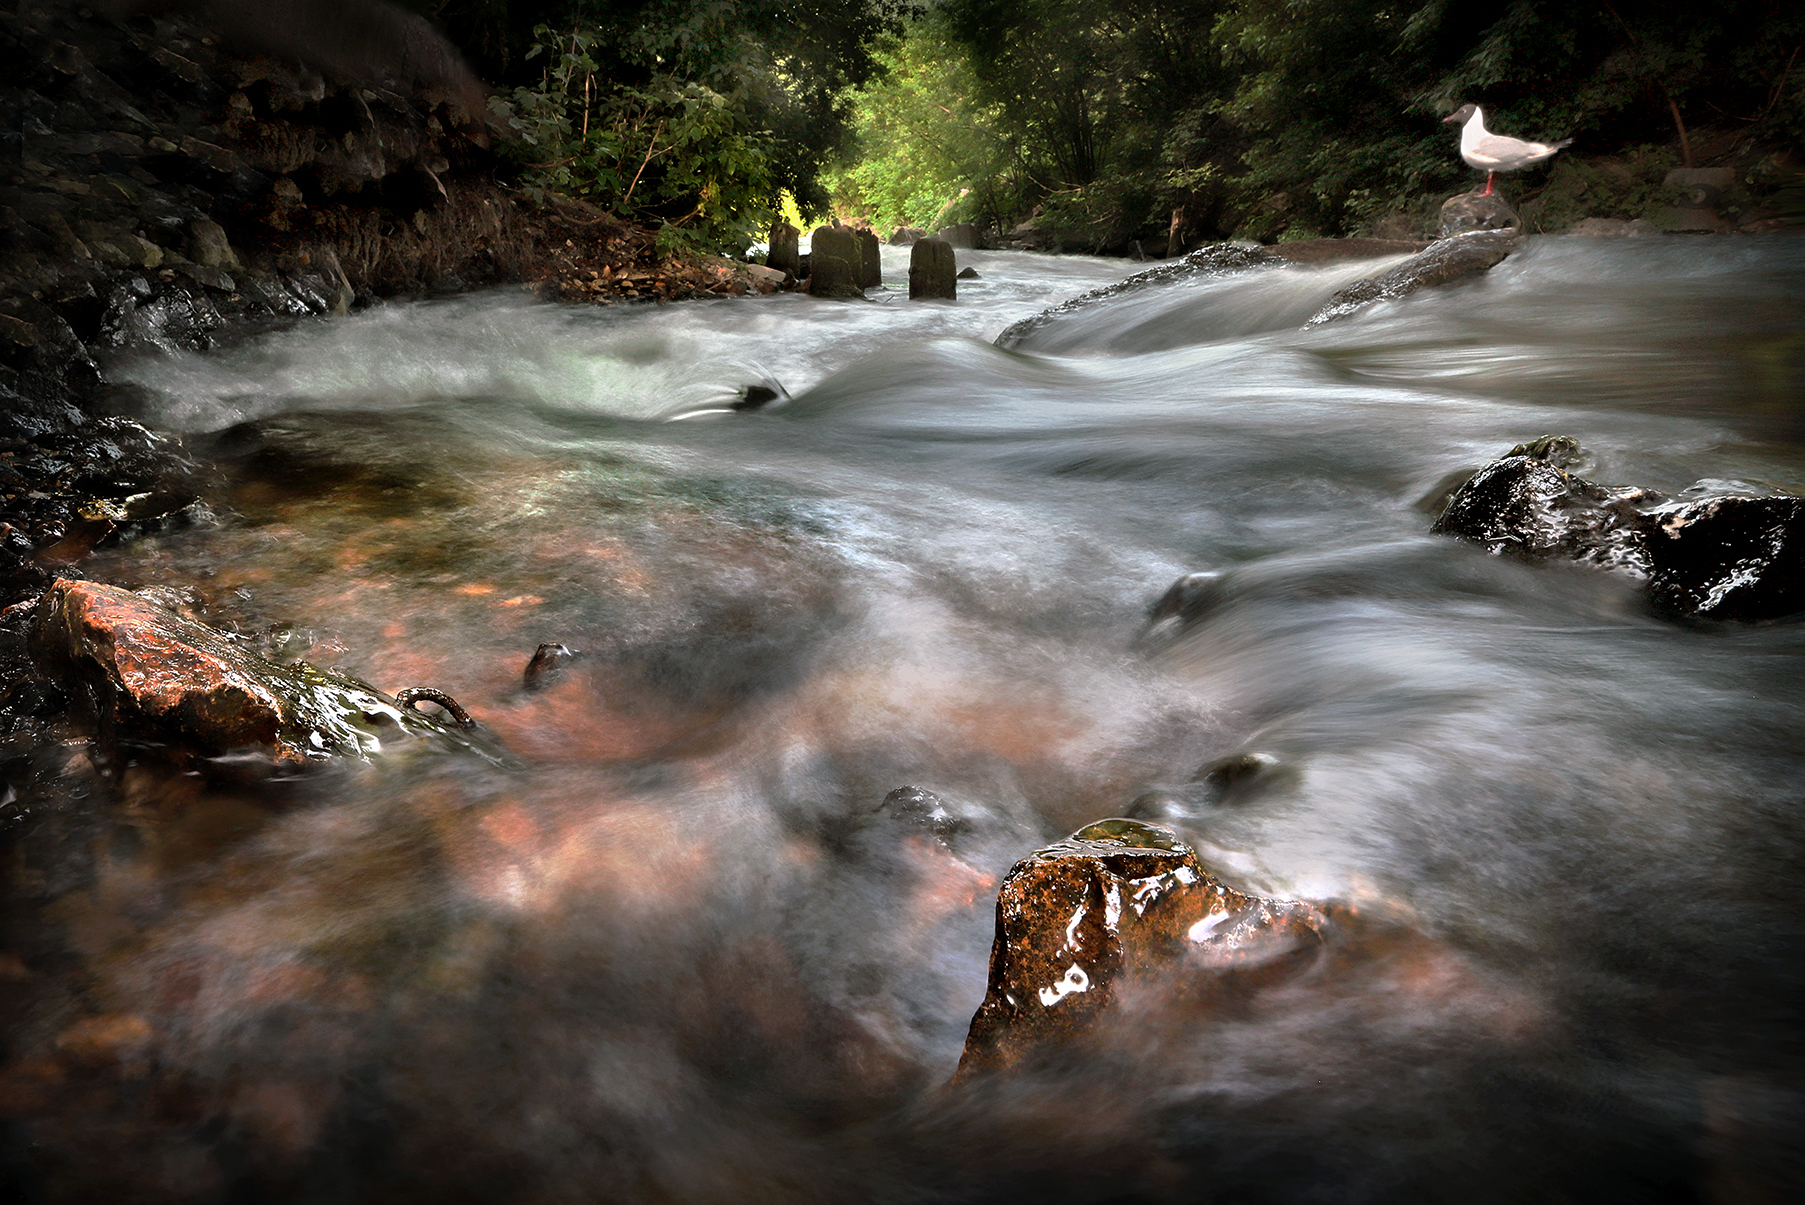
1494	152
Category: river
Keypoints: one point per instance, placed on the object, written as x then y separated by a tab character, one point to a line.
679	952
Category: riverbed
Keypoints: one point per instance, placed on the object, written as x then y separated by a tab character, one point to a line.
678	951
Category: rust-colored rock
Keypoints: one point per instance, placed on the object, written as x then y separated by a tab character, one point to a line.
149	666
1077	918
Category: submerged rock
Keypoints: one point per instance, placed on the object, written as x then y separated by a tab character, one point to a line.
147	667
1080	917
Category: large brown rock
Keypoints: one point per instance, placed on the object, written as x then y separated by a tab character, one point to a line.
150	668
1079	918
933	270
834	263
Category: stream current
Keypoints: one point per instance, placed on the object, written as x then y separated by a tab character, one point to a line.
681	953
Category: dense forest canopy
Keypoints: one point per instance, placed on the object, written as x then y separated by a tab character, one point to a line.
1262	118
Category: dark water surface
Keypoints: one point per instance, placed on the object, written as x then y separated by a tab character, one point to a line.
680	955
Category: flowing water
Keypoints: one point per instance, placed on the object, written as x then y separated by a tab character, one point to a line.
680	953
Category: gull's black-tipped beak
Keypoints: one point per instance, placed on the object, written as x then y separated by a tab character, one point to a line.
1450	117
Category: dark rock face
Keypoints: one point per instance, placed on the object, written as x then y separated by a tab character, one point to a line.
902	236
933	271
871	264
1729	558
784	244
1723	555
834	263
1526	505
1474	211
1442	261
147	667
1079	918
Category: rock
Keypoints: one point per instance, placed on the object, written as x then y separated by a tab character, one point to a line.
1613	228
1078	919
207	246
1719	552
763	277
961	236
1442	261
834	263
147	667
871	264
783	255
1685	220
902	236
932	270
922	809
1528	505
1217	259
1474	211
1705	186
1729	558
968	274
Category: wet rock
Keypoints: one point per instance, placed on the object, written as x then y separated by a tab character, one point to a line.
932	270
1228	777
922	809
1729	558
783	256
968	274
1217	259
834	263
547	665
148	668
1528	507
1442	261
1471	212
1079	919
1724	550
902	236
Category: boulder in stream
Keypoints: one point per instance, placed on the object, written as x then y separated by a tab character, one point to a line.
1442	261
1080	918
1721	551
147	668
1728	558
1473	212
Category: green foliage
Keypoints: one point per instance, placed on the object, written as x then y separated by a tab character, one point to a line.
1281	118
694	113
673	152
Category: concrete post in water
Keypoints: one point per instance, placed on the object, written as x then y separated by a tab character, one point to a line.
834	263
871	264
932	270
783	254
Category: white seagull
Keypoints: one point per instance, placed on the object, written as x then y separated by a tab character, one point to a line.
1494	153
